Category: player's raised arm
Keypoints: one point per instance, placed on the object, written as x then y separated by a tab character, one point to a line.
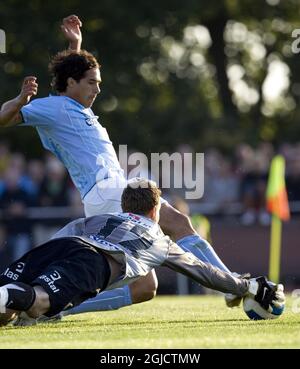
71	30
10	111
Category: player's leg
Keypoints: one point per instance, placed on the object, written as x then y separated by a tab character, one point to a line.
180	229
41	303
68	280
61	273
18	296
15	293
143	289
106	300
19	292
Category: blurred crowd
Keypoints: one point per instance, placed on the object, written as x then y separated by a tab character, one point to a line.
43	182
238	182
25	184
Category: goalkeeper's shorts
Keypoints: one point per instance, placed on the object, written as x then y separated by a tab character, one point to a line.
69	270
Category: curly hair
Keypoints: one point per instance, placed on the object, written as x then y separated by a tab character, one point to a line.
70	63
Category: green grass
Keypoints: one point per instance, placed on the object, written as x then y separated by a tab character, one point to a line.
165	322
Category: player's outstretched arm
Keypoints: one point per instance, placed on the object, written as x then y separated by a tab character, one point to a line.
263	291
10	111
71	29
204	273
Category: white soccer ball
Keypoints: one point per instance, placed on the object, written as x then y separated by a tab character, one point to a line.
255	311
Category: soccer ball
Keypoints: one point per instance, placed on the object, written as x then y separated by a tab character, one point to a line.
255	311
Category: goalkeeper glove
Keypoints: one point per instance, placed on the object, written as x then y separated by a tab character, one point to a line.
266	292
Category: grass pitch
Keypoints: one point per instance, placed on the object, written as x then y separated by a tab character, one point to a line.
165	322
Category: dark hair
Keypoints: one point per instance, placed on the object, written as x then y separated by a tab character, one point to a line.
70	63
140	196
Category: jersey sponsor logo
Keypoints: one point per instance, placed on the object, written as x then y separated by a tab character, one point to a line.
99	239
91	121
134	216
20	267
14	275
54	276
11	275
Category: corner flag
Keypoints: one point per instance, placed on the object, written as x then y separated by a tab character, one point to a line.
277	200
278	206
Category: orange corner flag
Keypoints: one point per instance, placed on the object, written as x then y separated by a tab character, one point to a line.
277	200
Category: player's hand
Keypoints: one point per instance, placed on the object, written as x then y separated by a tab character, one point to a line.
71	30
279	300
29	89
267	293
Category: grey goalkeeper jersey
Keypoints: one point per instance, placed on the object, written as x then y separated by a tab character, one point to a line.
139	245
135	242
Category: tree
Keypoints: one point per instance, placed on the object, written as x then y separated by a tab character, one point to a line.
173	72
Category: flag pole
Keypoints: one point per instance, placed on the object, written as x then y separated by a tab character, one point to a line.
275	249
278	206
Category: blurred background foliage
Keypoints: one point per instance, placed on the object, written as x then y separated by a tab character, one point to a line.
196	72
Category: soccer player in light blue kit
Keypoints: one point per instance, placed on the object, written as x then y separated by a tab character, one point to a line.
69	129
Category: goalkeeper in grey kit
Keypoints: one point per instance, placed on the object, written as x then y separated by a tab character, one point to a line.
107	251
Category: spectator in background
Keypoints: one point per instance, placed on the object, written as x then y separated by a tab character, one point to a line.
54	188
254	166
75	202
14	201
36	174
54	191
221	183
17	162
4	157
292	157
4	254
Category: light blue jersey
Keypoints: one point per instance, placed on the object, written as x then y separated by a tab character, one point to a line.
74	135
